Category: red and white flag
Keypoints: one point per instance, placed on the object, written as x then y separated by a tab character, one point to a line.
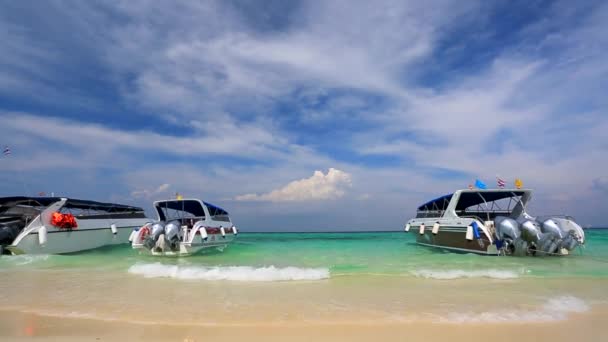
501	183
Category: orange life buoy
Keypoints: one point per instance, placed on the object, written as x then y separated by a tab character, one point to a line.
63	221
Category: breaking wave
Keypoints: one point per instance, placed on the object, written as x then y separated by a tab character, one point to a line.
234	273
555	309
456	274
22	260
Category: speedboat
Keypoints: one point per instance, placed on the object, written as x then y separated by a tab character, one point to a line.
493	222
57	225
184	227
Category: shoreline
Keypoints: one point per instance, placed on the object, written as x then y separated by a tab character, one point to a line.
18	326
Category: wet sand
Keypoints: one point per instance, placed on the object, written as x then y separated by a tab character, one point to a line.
16	326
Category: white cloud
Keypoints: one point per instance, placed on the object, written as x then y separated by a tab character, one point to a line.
201	64
148	193
225	137
317	187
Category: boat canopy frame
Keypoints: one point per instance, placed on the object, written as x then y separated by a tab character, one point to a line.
71	203
190	208
485	202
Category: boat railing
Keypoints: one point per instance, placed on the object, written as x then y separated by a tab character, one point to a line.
473	217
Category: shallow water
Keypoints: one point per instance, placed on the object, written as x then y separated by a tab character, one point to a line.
310	277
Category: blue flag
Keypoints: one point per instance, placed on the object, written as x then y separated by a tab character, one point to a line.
480	185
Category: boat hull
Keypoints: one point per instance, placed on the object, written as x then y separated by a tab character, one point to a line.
71	241
454	239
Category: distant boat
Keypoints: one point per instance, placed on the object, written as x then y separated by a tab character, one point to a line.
493	222
56	225
185	227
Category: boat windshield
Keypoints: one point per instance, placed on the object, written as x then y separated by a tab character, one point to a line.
180	209
217	213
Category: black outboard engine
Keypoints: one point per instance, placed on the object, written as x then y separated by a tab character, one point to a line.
9	232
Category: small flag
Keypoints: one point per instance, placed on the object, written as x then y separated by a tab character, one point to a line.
7	151
480	185
518	183
501	183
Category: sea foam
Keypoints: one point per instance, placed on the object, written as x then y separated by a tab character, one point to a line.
234	273
555	309
24	259
456	274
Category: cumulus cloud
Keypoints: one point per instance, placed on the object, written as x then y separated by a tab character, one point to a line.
238	100
147	193
317	187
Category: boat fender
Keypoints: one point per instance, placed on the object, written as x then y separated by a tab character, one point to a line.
133	234
185	233
407	227
114	229
223	231
42	235
421	231
436	228
475	230
234	231
469	235
203	231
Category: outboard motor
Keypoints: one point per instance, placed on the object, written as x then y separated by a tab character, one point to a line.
507	230
157	229
574	235
8	233
548	244
173	234
530	230
549	226
554	240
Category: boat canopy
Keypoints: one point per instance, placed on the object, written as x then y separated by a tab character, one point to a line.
438	203
215	210
71	203
190	206
469	198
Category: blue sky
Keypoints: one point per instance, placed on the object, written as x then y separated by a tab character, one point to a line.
306	115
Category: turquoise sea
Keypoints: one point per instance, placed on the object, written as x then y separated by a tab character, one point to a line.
309	277
341	254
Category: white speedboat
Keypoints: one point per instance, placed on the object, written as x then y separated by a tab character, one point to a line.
184	227
493	222
56	225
